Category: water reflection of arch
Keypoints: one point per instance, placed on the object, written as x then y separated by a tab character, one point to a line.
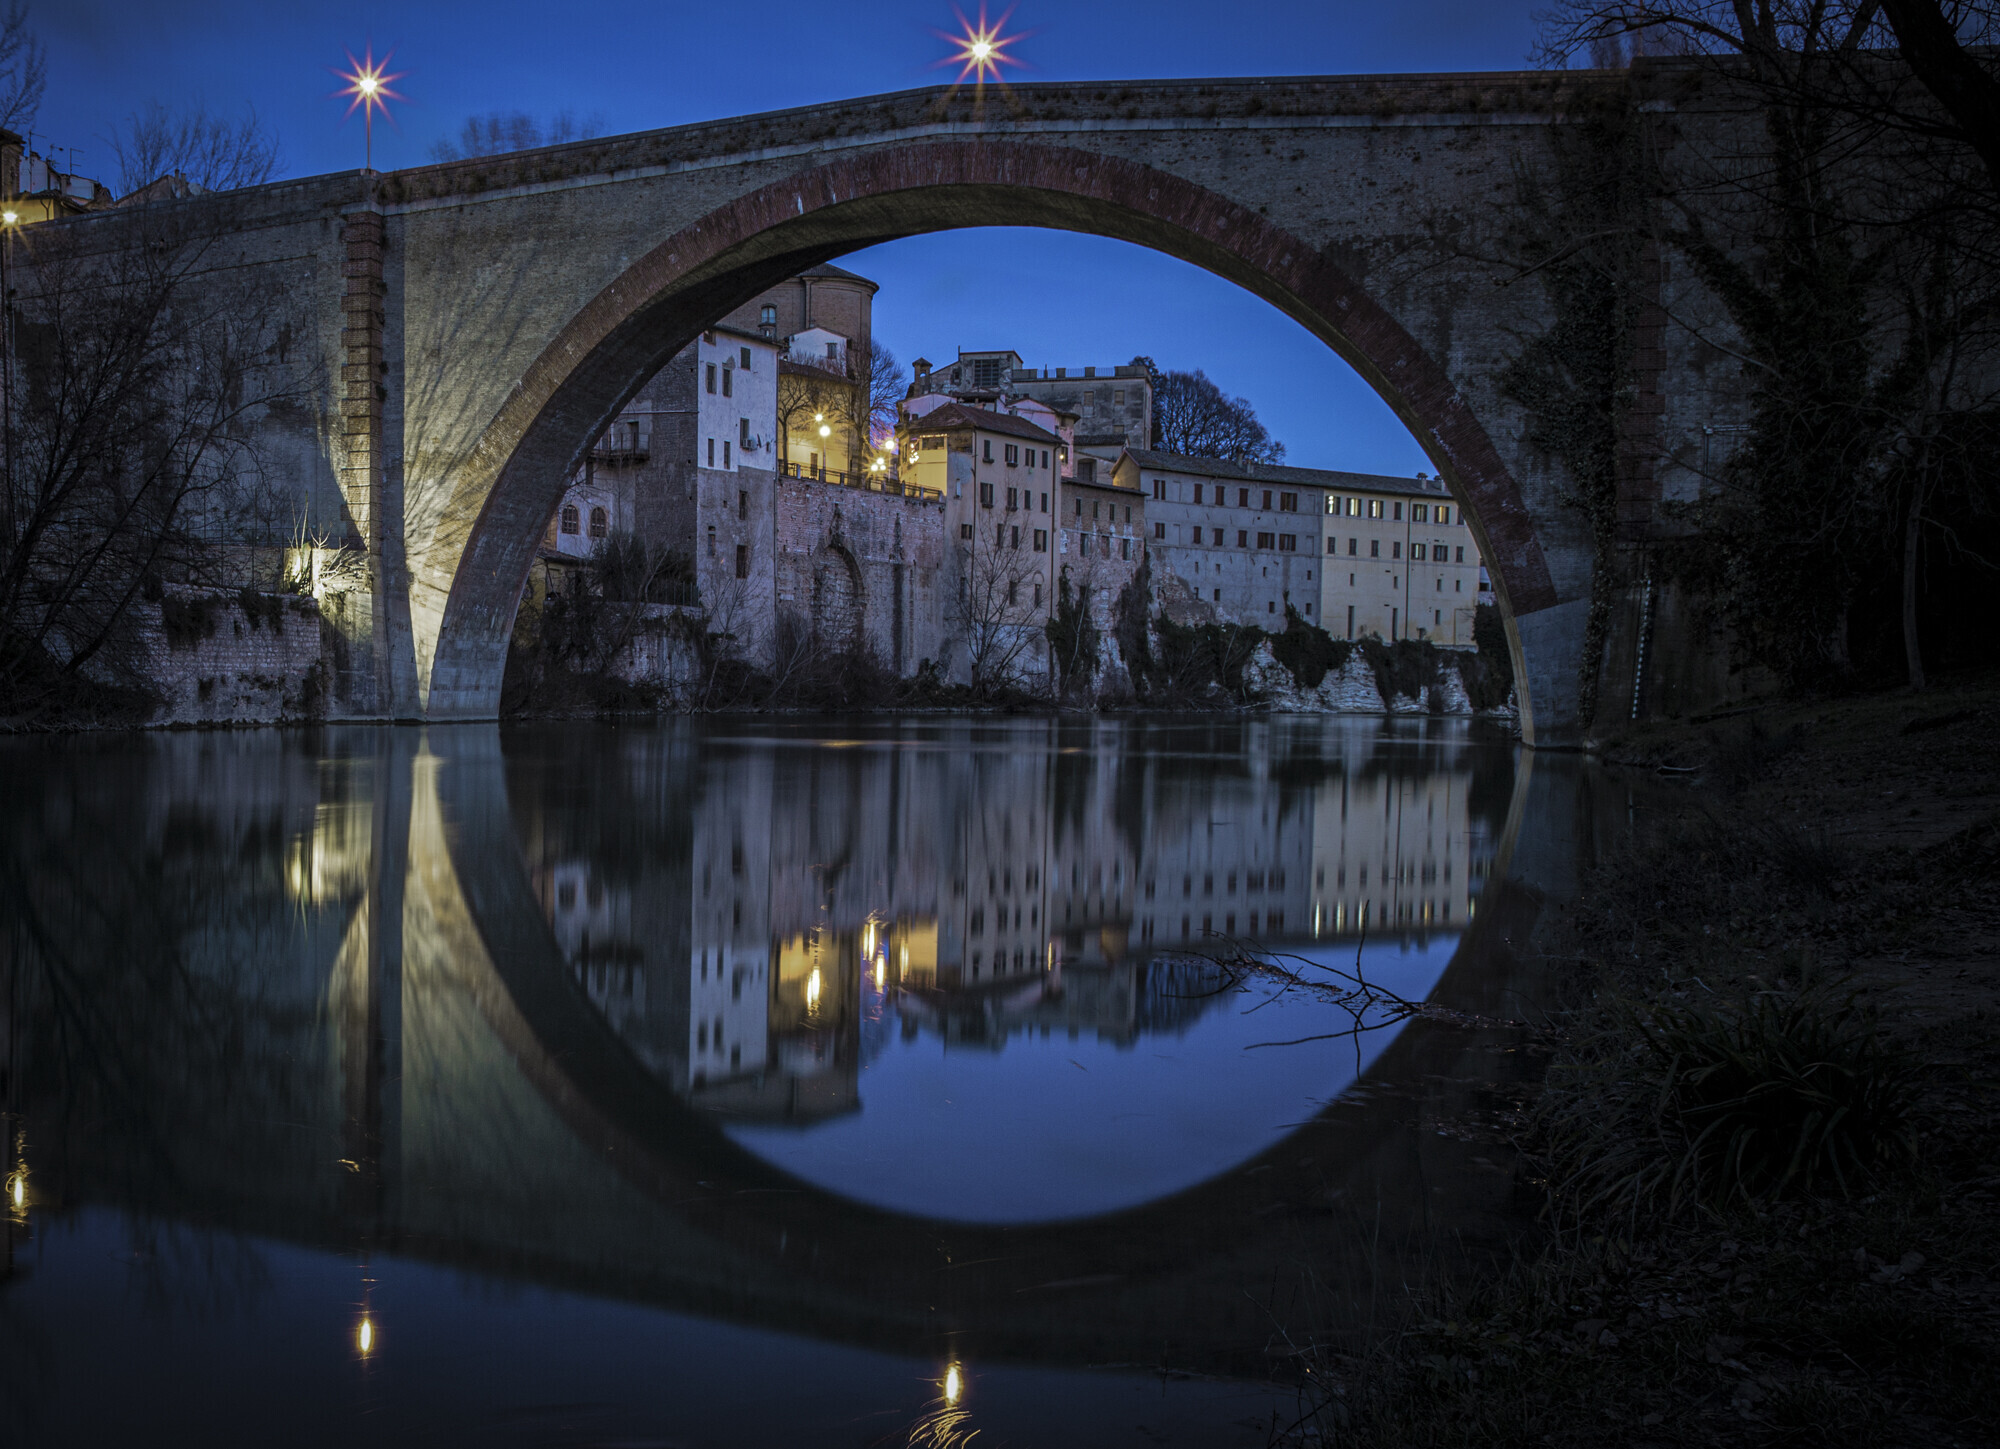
804	1257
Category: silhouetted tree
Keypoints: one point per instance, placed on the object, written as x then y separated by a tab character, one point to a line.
1193	417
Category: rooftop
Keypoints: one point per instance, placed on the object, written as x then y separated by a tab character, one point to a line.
1330	479
957	415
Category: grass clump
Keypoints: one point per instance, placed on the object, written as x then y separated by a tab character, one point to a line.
1713	1102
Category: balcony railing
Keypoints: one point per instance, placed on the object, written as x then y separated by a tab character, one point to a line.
866	482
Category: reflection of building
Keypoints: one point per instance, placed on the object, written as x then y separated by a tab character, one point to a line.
1032	877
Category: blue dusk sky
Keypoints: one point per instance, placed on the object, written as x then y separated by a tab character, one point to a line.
1055	297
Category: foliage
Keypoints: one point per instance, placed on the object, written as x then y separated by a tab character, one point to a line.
1404	668
187	619
1197	661
1579	229
1710	1100
498	132
212	151
808	395
1489	671
1194	417
1072	635
1309	653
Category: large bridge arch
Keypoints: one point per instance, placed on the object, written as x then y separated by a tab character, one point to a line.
467	576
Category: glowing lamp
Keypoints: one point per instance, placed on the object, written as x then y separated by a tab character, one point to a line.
365	1337
10	217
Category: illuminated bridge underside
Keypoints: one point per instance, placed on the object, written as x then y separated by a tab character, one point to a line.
477	324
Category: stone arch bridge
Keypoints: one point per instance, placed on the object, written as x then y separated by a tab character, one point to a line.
474	326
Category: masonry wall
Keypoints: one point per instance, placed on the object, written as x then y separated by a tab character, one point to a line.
857	567
221	663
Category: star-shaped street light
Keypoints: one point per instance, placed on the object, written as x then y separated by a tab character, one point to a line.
982	48
368	84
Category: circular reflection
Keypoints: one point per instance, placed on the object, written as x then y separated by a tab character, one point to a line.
1012	1107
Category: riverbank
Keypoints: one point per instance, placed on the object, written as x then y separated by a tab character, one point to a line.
1793	952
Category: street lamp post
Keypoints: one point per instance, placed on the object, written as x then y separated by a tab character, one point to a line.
9	220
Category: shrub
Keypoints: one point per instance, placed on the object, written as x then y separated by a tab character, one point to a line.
187	619
1309	653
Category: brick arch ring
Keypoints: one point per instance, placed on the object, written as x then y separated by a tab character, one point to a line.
465	589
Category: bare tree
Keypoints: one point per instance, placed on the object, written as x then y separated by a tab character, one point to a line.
1193	417
23	68
498	132
887	382
997	609
812	396
136	396
208	150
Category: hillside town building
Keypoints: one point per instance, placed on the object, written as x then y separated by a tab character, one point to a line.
1108	409
1358	554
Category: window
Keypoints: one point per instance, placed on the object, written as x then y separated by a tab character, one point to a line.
1013	455
725	452
1420	513
1086	470
1443	514
1128	513
711	540
1045	503
988	450
1160	488
986	372
1124	548
1329	545
1440	587
1159	530
965	530
1374	548
571	519
728	382
1000	536
985	495
743	358
742	504
932	440
742	560
1017	538
1267	500
743	434
1079	508
768	316
1242	497
1309	611
1038	604
1271	606
1288	543
1352	545
1267	540
1089	398
1461	556
1218	537
1218	596
1417	551
711	452
1096	509
1333	504
1242	538
711	377
1118	397
1041	543
1398	512
1013	500
1374	508
1396	548
1288	503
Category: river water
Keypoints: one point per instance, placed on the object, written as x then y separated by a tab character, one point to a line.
748	1081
